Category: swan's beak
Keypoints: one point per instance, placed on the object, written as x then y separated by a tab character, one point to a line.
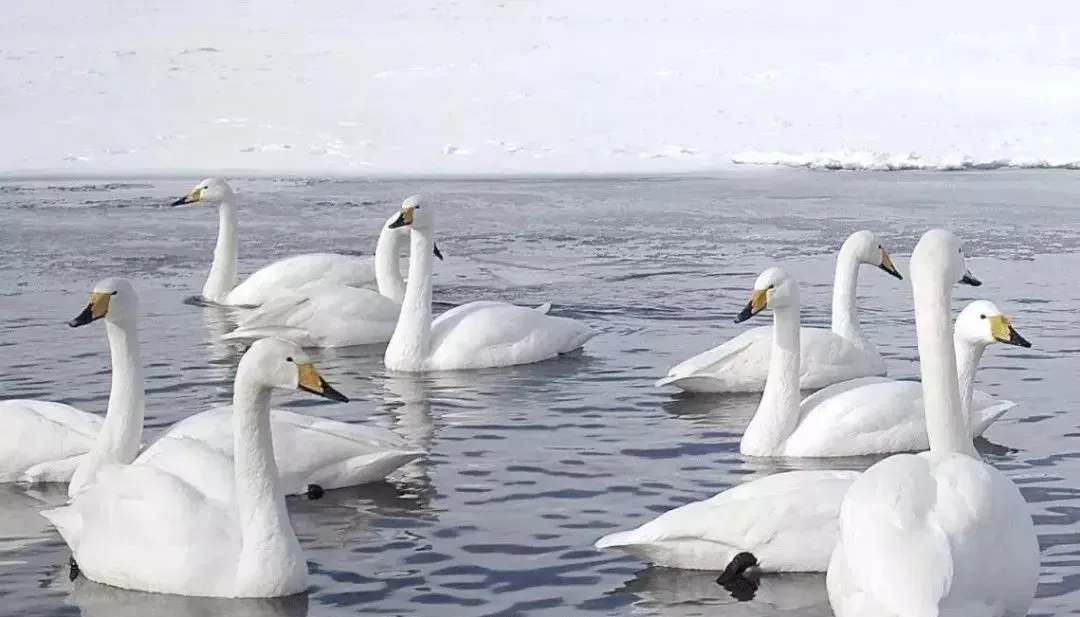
311	381
887	265
1001	329
404	218
970	279
192	197
438	253
758	302
95	310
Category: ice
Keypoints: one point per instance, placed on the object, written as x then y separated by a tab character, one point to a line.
540	86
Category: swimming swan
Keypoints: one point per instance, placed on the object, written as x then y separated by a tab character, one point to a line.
940	532
471	336
853	418
334	315
315	454
139	527
828	356
788	522
280	276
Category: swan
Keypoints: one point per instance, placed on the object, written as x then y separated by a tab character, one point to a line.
939	532
139	527
285	274
335	315
828	356
788	522
476	335
315	454
857	417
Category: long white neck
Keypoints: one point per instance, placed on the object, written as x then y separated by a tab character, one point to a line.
222	277
968	356
388	277
121	431
946	422
778	413
845	321
408	347
268	541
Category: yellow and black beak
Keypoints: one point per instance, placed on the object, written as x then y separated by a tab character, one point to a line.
95	310
311	381
887	265
193	196
405	217
758	301
1001	329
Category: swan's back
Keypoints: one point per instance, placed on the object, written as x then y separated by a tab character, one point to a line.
42	431
299	270
489	334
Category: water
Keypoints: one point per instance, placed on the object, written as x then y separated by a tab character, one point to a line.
529	465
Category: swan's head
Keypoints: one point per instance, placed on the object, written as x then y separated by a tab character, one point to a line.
397	224
773	289
982	323
274	363
940	253
112	299
868	249
210	190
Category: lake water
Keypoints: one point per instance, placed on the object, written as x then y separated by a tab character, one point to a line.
529	465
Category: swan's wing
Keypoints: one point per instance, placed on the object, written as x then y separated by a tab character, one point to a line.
485	334
985	410
201	465
871	416
919	532
748	348
787	520
41	431
324	315
137	525
300	270
828	358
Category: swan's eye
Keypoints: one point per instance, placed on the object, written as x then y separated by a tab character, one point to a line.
289	359
771	287
880	248
112	293
982	316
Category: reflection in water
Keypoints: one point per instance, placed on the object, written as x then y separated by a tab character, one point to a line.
688	593
96	600
21	523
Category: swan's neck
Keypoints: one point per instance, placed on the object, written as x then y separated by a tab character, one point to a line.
946	422
268	540
845	320
121	431
968	356
222	277
408	347
388	277
778	413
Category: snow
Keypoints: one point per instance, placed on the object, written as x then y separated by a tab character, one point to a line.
359	87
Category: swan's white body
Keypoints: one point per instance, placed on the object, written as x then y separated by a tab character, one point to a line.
938	533
46	435
281	276
789	521
871	415
311	450
140	527
471	336
828	356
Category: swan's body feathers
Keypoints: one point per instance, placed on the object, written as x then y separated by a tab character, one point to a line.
297	271
742	363
40	439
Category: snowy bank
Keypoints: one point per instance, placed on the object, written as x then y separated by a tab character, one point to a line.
535	86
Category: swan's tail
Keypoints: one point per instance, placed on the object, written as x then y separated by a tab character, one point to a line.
543	308
298	336
619	539
988	415
666	380
68	521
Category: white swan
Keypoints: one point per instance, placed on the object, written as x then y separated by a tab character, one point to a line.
474	335
857	417
940	532
788	522
280	276
139	527
828	356
315	454
334	315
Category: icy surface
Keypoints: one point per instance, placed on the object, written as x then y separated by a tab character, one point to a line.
539	86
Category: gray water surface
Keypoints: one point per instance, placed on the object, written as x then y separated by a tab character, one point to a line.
529	465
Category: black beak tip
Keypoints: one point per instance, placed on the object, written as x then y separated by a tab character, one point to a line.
329	392
179	202
744	314
82	318
1018	340
398	222
438	253
894	272
970	280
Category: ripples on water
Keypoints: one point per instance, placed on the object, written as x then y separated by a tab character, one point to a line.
529	465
